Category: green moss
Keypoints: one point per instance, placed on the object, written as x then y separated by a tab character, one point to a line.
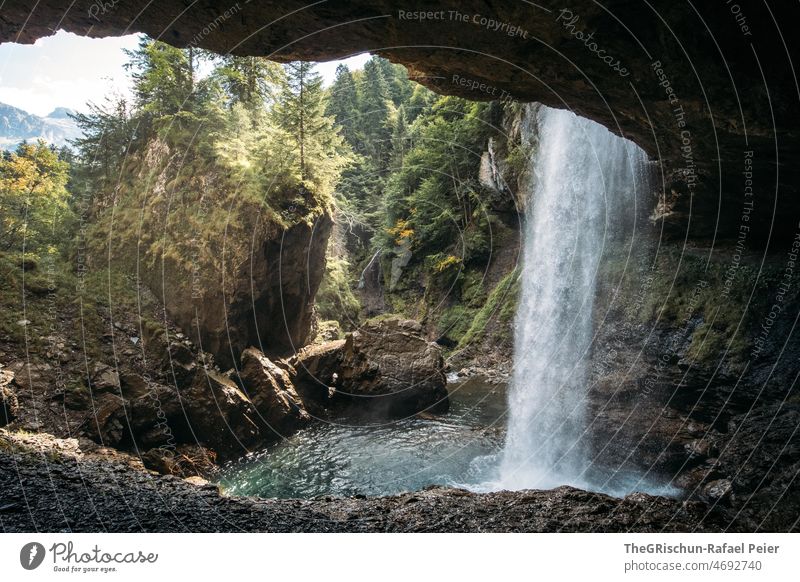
473	293
682	289
455	321
501	303
519	155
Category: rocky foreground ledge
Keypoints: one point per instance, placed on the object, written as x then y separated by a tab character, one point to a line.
56	489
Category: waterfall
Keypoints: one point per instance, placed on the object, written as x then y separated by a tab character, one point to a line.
583	181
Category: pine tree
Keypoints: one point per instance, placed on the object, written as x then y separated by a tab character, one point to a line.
399	138
377	112
163	77
107	136
420	101
396	77
300	112
344	104
251	81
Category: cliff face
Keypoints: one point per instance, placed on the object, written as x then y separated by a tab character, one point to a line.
698	87
268	302
236	273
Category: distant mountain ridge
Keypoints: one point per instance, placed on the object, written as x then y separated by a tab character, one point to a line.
17	125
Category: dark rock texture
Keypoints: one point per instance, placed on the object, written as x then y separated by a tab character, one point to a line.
39	494
384	369
686	395
267	302
388	368
220	415
314	369
724	85
272	393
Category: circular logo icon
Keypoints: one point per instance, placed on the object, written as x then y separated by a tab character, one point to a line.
31	555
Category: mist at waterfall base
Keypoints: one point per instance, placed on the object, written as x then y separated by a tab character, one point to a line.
584	190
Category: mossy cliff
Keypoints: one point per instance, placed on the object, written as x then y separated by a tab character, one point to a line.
232	267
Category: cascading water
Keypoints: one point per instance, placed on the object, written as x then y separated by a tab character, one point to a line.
584	181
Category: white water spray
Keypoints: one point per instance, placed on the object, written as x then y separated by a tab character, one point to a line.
583	183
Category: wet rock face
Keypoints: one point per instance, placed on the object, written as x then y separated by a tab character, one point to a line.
670	78
727	439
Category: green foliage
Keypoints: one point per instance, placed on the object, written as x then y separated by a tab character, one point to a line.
501	304
335	299
318	151
344	105
455	321
163	78
436	188
377	110
34	209
108	134
253	82
518	157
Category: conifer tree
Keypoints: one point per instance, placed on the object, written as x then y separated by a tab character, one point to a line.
377	111
163	77
344	105
300	112
251	81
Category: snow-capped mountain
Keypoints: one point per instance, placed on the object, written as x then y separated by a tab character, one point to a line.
17	125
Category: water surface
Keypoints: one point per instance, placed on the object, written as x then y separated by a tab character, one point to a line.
341	459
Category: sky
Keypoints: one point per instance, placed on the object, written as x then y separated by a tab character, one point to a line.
66	70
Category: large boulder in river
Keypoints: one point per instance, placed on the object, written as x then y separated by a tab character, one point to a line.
220	414
270	389
384	369
316	368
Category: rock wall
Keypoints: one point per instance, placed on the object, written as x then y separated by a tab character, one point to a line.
269	301
688	388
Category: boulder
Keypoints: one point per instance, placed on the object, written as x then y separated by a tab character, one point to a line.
107	424
132	385
104	378
388	369
9	407
147	420
718	491
155	416
271	391
180	364
316	369
183	460
220	415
